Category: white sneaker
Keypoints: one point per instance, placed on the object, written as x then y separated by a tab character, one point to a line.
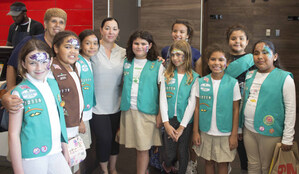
192	167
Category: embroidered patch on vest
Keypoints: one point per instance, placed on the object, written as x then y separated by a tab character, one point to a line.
29	94
61	76
56	66
206	79
271	131
44	149
262	128
127	65
205	87
32	101
84	68
171	81
62	103
268	120
88	106
86	86
24	87
36	151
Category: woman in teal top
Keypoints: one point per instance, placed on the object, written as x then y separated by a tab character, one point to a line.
37	133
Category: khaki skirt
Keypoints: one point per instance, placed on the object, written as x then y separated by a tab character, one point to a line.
138	130
215	148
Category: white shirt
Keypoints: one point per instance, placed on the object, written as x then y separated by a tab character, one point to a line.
73	131
189	111
137	69
289	97
107	74
237	96
87	115
49	99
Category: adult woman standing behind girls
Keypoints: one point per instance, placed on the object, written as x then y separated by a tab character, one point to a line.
66	47
177	104
37	133
107	67
140	97
182	30
89	47
269	108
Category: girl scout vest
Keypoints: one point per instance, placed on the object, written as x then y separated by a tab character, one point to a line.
148	92
224	106
240	65
181	98
87	84
270	111
69	93
36	138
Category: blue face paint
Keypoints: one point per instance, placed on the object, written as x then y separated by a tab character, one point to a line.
268	50
74	42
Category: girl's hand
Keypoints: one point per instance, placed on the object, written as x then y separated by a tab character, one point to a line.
196	138
172	133
65	153
82	128
179	133
161	59
159	123
285	147
233	142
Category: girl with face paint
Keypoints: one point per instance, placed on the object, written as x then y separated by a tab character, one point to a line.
37	132
66	47
183	30
139	101
177	104
269	108
216	115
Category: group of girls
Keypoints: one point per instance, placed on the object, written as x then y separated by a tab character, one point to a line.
58	88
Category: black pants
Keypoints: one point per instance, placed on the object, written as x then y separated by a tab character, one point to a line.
105	128
242	155
182	147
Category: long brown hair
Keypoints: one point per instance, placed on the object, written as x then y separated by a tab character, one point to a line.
185	47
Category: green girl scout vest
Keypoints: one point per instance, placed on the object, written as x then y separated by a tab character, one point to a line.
87	84
148	92
36	138
183	95
240	65
224	106
270	110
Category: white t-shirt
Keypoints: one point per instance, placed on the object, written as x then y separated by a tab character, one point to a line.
107	74
48	96
137	69
289	97
191	101
87	115
237	96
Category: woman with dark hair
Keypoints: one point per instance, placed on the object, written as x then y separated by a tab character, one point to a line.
107	72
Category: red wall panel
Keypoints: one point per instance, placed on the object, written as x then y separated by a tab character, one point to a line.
79	13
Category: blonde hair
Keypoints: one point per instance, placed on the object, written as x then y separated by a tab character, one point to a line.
186	48
55	12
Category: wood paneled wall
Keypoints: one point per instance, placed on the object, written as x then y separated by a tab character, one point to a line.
100	13
158	16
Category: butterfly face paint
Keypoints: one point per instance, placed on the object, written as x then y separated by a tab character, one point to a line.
41	58
74	42
268	51
177	57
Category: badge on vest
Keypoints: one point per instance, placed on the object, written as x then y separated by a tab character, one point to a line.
152	66
172	81
85	86
249	75
84	68
268	120
56	66
35	111
205	87
29	94
61	76
127	65
202	109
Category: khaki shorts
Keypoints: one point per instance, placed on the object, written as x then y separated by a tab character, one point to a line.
86	137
